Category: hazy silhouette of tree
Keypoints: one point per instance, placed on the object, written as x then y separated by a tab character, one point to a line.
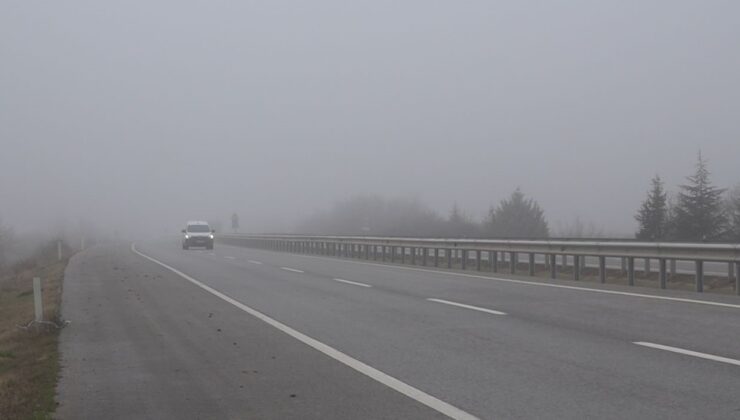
699	213
518	217
375	215
460	225
733	213
653	213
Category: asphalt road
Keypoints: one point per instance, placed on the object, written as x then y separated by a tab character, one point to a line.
245	333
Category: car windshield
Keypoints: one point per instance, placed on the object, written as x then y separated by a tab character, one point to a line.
199	228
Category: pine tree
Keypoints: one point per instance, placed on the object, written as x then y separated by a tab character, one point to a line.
459	224
653	213
733	211
518	217
699	215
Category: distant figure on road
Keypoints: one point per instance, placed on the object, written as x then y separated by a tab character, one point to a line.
235	222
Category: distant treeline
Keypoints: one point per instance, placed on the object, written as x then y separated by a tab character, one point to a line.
516	216
698	212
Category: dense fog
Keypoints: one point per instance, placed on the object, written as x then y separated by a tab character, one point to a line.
130	118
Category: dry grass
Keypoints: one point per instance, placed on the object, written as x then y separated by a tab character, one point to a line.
29	362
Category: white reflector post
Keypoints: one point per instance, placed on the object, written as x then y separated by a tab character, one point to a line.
38	301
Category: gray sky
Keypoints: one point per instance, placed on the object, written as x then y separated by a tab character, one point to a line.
122	112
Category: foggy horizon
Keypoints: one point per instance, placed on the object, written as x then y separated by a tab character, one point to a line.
143	116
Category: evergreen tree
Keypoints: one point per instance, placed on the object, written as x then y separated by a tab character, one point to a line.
699	214
653	213
459	224
733	212
518	217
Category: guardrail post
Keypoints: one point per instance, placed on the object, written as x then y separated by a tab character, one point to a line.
624	265
576	267
531	264
512	263
731	271
647	267
553	266
631	271
699	275
463	258
662	272
436	257
413	255
367	252
424	252
382	252
477	259
448	254
493	260
403	255
602	269
737	278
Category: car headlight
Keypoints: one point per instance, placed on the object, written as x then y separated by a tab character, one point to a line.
211	236
187	236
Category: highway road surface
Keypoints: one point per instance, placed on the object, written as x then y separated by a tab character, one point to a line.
158	332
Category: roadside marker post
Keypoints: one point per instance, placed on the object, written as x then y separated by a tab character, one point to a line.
38	301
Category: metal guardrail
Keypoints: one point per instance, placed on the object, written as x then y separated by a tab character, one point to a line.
459	249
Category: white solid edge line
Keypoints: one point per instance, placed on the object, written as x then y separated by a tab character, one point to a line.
254	262
533	283
353	282
229	257
292	269
689	352
462	305
385	379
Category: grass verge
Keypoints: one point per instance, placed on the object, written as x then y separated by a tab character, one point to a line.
29	359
